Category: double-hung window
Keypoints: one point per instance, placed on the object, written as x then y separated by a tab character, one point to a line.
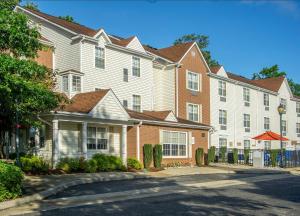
193	81
298	108
247	122
136	103
136	66
222	142
97	138
193	112
298	128
246	96
284	127
174	144
65	83
266	101
266	123
283	103
125	75
76	83
246	144
222	90
99	57
125	103
223	119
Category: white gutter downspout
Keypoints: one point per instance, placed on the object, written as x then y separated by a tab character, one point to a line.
176	79
138	140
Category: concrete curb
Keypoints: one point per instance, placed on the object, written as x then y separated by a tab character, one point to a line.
52	191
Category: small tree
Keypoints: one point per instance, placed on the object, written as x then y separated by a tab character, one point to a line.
147	155
246	156
223	151
235	156
273	155
157	155
211	154
199	156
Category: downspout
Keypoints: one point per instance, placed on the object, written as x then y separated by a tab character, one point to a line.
176	80
138	140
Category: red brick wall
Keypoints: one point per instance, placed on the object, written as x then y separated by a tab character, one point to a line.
45	58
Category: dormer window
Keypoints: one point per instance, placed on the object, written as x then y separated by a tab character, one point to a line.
99	57
65	83
76	83
71	82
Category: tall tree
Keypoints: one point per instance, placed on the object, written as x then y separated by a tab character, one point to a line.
203	42
26	88
274	71
68	18
31	5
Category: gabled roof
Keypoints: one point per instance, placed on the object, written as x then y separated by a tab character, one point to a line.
215	69
84	102
121	42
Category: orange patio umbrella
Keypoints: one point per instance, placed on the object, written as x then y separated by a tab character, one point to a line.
269	135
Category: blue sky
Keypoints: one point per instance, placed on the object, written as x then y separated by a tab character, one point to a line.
245	36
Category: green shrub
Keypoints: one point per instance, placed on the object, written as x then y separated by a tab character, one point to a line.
235	156
223	151
133	163
148	155
246	155
11	178
34	165
273	156
157	155
199	156
108	162
211	154
90	166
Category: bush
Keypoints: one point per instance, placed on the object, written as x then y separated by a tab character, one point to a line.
235	156
148	155
133	163
13	156
157	155
90	166
34	165
69	165
108	162
273	155
211	154
199	156
11	178
223	151
246	155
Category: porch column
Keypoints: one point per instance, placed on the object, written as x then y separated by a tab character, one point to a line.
124	145
84	140
55	142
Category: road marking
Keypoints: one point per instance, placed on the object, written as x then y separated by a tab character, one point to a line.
181	188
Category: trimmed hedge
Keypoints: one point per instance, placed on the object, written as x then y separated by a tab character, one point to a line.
273	156
246	155
133	163
69	165
223	151
108	162
199	156
11	178
235	156
34	165
157	155
211	154
90	166
148	155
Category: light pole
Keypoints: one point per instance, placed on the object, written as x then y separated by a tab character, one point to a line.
281	110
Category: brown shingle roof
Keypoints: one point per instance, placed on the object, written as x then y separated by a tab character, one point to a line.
239	78
77	28
215	69
122	42
158	114
84	102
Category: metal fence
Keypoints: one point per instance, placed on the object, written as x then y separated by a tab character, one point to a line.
229	156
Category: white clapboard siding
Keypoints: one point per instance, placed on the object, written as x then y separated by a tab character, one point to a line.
164	89
136	45
69	139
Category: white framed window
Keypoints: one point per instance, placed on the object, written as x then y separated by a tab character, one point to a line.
174	144
223	119
125	75
266	100
193	81
99	57
246	96
97	138
283	103
193	112
298	107
76	83
136	103
125	103
247	122
246	144
136	66
65	83
298	128
222	90
284	127
222	142
266	123
267	145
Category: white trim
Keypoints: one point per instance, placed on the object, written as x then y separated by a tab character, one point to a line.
199	81
140	103
92	125
128	50
186	143
140	75
135	38
94	56
104	33
187	111
176	78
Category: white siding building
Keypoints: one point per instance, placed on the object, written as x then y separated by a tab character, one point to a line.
242	109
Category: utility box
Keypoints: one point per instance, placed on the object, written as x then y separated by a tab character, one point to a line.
258	158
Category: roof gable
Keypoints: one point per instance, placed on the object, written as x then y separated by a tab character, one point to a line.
171	117
135	44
